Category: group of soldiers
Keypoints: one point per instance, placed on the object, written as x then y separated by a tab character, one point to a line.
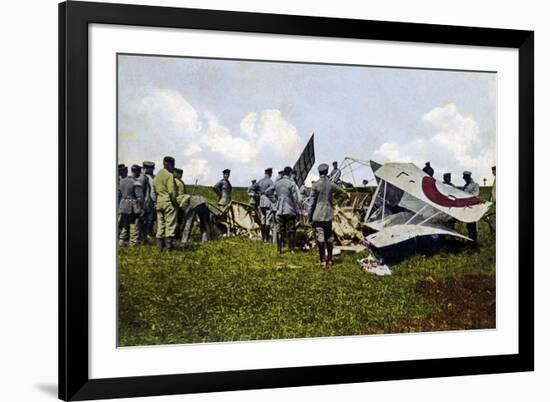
280	204
469	186
157	205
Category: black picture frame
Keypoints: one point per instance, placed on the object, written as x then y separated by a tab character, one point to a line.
74	381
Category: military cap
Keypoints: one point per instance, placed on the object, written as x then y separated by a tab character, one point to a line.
178	170
446	175
287	170
280	172
136	168
121	165
322	167
335	163
169	159
268	170
148	164
427	163
225	171
466	173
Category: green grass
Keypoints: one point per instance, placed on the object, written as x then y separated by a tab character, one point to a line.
235	289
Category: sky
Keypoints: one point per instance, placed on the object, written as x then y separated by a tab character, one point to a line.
212	114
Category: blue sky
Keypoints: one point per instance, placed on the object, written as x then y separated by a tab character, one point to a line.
246	115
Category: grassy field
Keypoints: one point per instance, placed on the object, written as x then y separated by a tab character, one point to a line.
235	289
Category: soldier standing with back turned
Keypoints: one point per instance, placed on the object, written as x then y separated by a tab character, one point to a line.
322	213
130	207
166	193
287	210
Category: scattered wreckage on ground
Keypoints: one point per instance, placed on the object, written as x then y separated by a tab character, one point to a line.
405	208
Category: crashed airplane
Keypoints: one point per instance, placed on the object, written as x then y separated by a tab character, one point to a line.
408	204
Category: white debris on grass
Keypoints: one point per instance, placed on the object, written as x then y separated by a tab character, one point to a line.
371	265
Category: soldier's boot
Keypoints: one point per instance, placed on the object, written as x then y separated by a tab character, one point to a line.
280	244
160	243
169	243
322	260
262	231
330	261
292	242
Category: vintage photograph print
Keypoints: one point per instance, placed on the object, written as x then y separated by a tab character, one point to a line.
262	200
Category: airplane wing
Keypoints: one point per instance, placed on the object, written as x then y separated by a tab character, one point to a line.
305	162
447	199
398	233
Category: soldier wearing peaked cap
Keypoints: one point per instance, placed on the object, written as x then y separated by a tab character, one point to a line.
335	173
224	189
322	213
428	169
287	210
148	209
130	207
265	188
148	220
165	189
447	179
471	187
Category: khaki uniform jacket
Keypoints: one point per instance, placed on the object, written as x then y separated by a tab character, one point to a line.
322	200
165	188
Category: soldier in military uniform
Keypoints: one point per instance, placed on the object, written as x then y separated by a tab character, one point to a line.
471	187
148	219
122	173
253	196
322	213
335	173
267	204
224	189
130	207
182	200
447	179
165	189
287	210
428	169
146	188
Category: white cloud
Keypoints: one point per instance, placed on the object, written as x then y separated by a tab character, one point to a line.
219	139
271	131
455	145
192	149
195	169
164	122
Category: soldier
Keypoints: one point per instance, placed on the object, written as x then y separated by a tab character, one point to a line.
279	175
428	169
165	189
447	179
287	210
122	173
224	189
182	200
130	207
253	196
322	213
148	219
471	187
266	189
146	188
335	173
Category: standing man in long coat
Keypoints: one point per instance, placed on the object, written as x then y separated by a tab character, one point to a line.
471	187
266	189
322	214
166	194
130	207
287	210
